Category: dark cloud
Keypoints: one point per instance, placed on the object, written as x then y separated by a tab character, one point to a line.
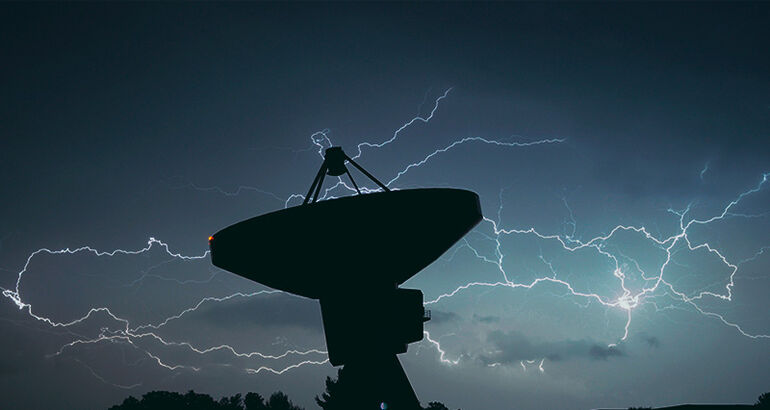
438	316
598	352
652	341
514	346
274	310
486	319
106	99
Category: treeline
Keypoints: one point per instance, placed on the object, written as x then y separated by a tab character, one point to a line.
333	398
763	401
156	400
196	401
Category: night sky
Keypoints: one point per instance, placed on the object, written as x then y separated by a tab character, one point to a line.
621	153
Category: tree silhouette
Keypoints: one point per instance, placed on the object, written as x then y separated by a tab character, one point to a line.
335	396
164	400
763	401
231	403
279	401
331	399
168	400
254	401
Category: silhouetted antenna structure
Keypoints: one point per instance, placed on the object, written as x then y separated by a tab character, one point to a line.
334	165
367	318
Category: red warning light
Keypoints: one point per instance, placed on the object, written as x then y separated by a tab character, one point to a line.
211	238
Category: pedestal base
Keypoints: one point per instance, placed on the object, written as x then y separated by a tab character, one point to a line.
375	383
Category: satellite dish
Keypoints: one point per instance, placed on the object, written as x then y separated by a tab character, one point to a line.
352	253
376	240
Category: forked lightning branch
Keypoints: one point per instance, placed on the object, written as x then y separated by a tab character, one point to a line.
626	300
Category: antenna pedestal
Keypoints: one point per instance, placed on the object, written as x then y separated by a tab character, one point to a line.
374	381
361	323
365	332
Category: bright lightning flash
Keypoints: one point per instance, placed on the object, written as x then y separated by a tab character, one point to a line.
626	300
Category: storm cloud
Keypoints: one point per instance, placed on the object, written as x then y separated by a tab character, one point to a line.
124	121
270	310
440	316
486	319
513	346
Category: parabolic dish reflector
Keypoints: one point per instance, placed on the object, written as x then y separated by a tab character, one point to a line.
367	241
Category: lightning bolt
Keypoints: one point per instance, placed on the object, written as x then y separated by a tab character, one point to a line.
142	337
628	300
131	336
